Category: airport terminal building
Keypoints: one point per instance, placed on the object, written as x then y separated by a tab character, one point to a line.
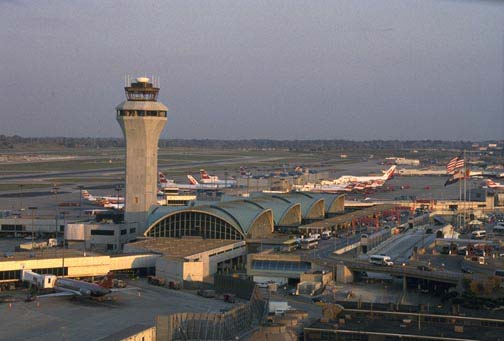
251	218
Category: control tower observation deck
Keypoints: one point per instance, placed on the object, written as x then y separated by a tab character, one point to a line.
142	119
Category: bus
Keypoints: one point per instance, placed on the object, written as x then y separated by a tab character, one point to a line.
480	234
309	243
498	230
381	260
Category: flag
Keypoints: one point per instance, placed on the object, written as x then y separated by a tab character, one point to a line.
454	164
458	175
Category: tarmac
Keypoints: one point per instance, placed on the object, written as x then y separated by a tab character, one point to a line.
78	319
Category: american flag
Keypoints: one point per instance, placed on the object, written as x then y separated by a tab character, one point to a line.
454	164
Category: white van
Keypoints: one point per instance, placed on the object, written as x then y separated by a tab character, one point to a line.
326	235
481	234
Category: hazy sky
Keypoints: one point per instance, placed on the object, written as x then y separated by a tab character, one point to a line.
377	69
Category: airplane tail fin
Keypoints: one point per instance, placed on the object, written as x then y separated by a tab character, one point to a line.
204	174
86	195
490	183
390	172
192	180
107	281
162	178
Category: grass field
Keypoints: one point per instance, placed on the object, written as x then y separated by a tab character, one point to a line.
16	187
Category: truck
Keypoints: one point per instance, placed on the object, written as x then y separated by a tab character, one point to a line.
278	307
51	242
156	281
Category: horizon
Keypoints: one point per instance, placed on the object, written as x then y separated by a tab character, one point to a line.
498	141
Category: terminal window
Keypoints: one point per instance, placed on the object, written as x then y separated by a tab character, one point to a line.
102	232
12	227
281	265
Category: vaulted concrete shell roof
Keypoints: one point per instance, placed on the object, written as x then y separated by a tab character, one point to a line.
308	203
281	208
240	214
334	203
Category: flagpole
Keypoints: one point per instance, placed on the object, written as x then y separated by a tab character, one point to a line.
465	188
460	202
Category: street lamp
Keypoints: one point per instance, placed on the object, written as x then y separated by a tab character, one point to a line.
118	191
80	187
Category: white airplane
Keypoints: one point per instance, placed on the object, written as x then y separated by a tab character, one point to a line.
97	199
493	185
348	179
193	185
69	287
205	178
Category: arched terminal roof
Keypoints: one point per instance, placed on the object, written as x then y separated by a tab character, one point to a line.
334	203
247	218
311	207
285	213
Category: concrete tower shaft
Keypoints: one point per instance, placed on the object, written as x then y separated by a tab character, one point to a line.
142	120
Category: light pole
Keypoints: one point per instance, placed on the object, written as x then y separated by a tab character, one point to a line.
33	208
118	191
80	187
63	213
20	196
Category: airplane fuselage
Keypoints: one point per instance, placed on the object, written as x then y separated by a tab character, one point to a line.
80	288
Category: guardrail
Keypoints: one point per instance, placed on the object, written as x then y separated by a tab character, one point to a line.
399	271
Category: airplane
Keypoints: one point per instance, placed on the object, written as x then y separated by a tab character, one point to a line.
118	206
244	173
346	179
193	185
494	185
70	287
98	199
349	183
205	178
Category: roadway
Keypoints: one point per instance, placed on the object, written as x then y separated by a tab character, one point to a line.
395	270
400	247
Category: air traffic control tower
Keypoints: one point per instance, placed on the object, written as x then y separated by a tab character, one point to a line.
142	118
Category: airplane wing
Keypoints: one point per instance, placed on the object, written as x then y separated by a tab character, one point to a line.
124	289
60	294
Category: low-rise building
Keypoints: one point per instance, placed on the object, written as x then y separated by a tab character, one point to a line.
193	259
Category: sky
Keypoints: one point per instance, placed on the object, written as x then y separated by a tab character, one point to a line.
346	69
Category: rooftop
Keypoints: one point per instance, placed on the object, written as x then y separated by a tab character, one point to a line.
180	248
49	253
347	217
441	327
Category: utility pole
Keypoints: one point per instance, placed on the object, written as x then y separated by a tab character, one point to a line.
80	187
33	208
